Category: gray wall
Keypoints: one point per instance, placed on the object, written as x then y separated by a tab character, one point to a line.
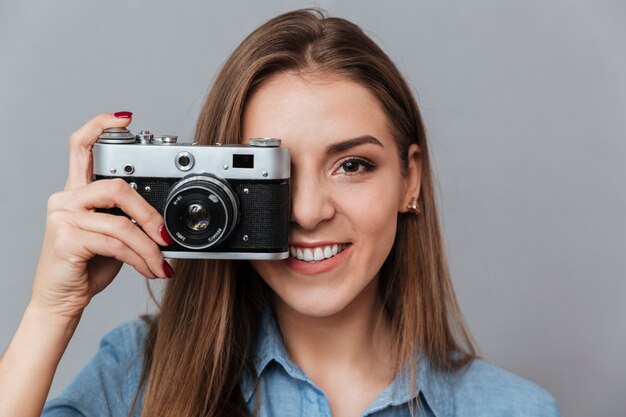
524	102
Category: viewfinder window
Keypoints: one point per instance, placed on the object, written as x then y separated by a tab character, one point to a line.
243	161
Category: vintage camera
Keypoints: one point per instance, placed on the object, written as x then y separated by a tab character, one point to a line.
218	201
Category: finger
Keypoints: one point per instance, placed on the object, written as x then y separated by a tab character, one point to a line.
82	246
81	143
122	229
102	245
117	193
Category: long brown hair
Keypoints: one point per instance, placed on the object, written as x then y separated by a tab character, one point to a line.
199	345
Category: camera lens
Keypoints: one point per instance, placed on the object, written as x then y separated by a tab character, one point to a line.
196	217
201	211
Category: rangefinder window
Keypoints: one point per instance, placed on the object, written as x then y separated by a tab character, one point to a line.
243	161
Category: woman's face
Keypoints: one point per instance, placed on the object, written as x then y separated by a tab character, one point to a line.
347	188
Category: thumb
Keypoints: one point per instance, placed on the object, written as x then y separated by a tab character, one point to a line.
81	143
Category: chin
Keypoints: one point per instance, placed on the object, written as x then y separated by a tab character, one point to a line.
319	295
327	300
313	308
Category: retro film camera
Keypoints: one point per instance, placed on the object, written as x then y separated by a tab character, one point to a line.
218	201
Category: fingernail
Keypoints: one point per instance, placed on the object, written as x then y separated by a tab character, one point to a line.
123	114
165	236
167	269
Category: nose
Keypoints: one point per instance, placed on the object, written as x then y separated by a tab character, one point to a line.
311	202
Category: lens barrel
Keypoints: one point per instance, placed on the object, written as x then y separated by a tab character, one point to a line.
201	211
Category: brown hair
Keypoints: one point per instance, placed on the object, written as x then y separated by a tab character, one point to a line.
200	344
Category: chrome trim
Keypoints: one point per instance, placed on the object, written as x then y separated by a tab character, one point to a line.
158	160
242	256
187	167
265	142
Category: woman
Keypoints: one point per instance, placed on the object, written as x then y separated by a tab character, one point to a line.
360	320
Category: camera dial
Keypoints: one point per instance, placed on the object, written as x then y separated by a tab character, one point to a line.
116	135
145	136
165	139
265	142
201	211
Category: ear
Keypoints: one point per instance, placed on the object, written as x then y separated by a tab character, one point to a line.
413	177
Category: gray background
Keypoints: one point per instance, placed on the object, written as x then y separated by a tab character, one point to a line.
524	102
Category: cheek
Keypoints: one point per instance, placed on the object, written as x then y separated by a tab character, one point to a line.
371	211
372	217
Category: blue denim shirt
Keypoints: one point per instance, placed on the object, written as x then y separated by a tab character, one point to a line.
107	386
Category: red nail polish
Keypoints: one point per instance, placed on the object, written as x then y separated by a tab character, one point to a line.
167	269
165	236
123	114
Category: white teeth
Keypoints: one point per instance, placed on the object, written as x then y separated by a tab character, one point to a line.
316	254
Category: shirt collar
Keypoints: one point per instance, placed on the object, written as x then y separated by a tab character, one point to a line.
269	346
435	387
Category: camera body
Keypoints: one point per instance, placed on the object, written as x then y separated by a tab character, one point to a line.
218	201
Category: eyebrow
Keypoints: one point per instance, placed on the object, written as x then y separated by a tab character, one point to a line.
351	143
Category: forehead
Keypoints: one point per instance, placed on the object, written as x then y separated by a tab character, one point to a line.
316	107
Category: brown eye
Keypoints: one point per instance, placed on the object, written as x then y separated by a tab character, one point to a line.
351	166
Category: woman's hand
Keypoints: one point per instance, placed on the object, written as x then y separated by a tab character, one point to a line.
82	252
83	249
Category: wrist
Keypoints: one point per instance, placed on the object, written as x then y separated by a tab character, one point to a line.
30	361
52	318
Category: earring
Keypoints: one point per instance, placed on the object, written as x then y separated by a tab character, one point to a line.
413	206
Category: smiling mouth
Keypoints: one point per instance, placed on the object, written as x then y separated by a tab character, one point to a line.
317	254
